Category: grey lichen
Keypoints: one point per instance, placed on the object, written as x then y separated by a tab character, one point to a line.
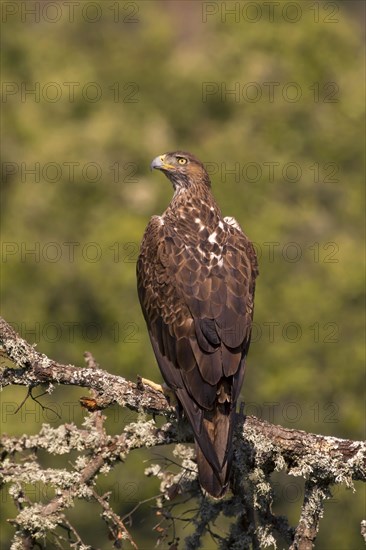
33	520
146	434
187	458
363	529
179	483
265	537
59	440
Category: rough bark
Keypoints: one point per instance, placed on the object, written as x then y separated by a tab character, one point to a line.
260	448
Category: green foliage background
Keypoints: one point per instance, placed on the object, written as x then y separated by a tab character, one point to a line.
309	373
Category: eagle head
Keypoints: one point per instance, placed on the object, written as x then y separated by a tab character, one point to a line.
182	169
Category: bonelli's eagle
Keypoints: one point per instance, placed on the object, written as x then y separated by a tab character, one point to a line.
196	277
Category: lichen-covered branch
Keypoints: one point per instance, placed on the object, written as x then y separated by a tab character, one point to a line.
34	369
327	458
36	519
348	458
260	449
311	513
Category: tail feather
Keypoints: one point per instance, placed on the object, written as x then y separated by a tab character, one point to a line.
214	483
213	432
218	425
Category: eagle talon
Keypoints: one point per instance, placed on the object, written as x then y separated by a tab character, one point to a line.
162	388
139	384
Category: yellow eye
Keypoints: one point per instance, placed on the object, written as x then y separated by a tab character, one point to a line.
181	160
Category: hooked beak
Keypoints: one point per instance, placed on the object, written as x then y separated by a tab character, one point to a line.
159	164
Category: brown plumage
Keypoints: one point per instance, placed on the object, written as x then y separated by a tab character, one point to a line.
196	277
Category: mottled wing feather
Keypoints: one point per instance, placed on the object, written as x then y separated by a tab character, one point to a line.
198	305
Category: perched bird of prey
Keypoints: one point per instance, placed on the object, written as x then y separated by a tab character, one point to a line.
196	277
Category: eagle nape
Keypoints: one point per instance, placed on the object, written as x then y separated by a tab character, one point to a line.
196	276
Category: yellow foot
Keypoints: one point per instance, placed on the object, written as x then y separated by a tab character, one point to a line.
163	388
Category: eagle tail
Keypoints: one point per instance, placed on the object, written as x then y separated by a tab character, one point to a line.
218	425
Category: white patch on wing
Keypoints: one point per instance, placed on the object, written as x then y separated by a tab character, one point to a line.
203	254
212	237
232	221
211	256
219	258
201	226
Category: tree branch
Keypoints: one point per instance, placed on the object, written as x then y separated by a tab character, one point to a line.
311	513
260	448
348	458
35	369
